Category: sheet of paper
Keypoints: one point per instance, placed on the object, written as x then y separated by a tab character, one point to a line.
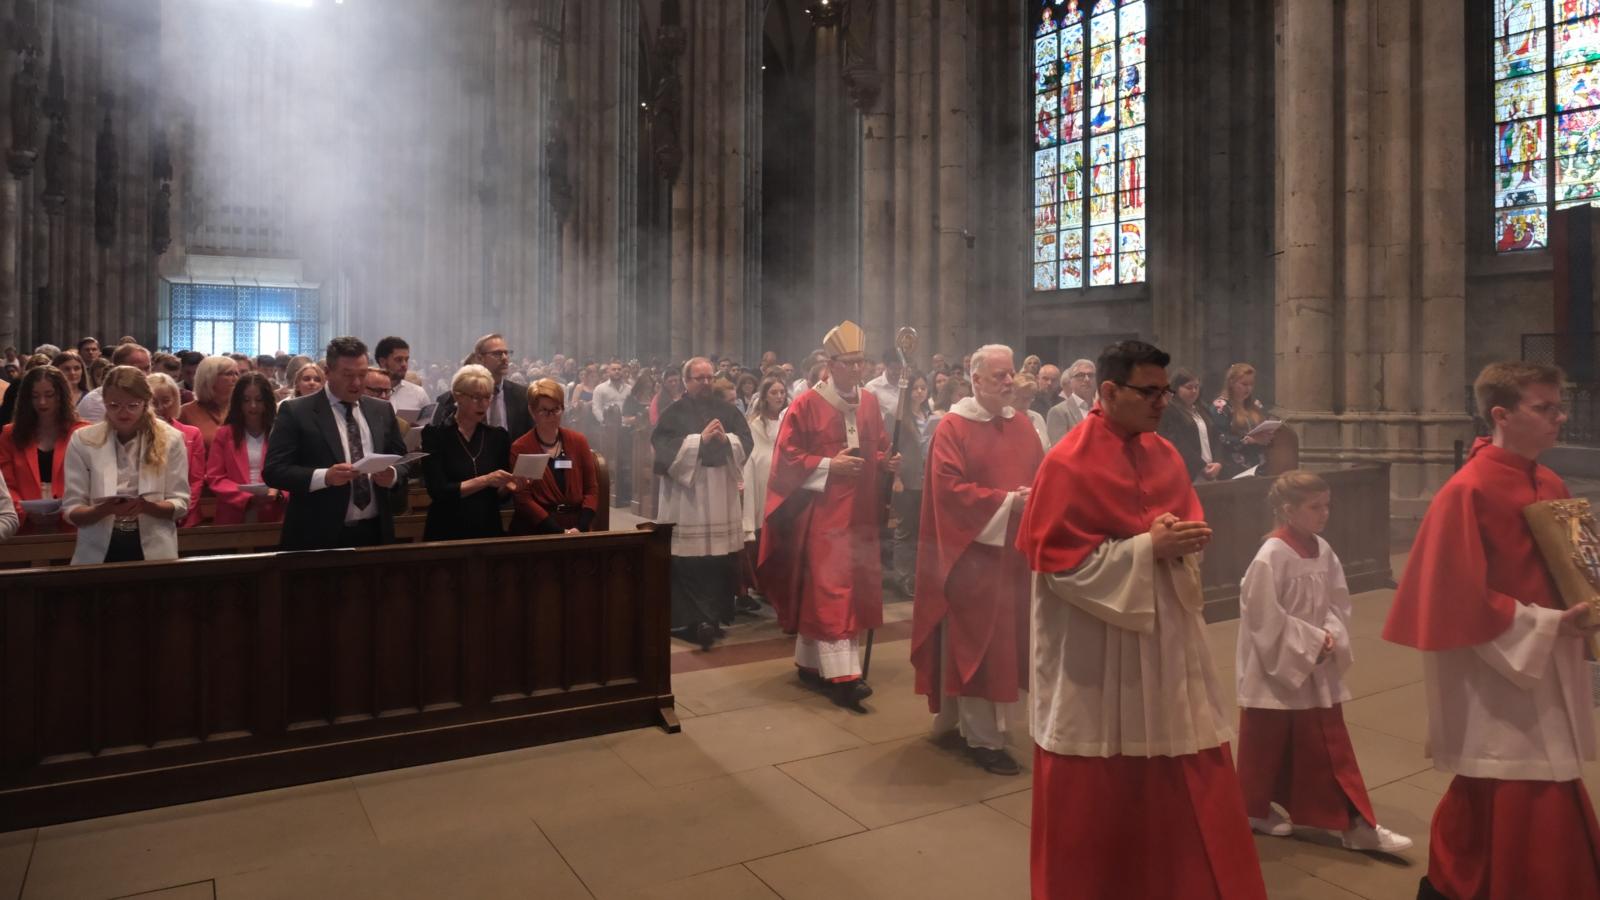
259	490
408	415
531	465
126	496
1265	429
1247	472
425	415
40	507
377	462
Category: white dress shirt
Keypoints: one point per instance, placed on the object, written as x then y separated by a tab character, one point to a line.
319	478
405	395
607	396
92	407
888	394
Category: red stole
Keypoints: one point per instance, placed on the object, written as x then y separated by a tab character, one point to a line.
818	560
979	592
1474	558
1100	483
1305	547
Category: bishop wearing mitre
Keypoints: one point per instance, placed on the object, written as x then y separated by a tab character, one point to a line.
819	557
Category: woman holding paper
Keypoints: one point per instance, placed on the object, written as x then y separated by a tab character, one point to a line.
1239	417
238	453
33	448
166	398
466	466
565	496
127	478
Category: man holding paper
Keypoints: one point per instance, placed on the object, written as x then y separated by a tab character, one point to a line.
339	454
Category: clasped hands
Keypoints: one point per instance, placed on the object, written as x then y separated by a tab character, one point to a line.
846	464
1171	538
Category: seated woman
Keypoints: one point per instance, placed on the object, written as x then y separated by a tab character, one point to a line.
214	381
238	452
33	448
1235	412
127	478
467	462
1190	430
297	382
71	365
166	394
566	499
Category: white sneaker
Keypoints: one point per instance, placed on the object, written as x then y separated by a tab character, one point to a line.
1362	836
1274	824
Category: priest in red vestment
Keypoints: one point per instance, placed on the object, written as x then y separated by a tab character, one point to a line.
969	641
819	557
1509	711
1134	791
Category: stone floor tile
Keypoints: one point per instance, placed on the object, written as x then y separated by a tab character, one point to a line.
886	783
1368	613
1431	780
622	845
1384	758
158	848
732	883
1285	882
1402	807
1381	666
195	890
736	687
970	851
16	848
729	742
1401	712
482	792
1018	806
513	861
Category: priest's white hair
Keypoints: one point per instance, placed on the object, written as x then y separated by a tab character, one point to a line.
981	356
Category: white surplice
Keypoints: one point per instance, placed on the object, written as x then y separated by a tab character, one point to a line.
702	502
1120	661
1515	708
758	470
1288	605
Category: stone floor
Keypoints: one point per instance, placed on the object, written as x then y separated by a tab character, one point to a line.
769	792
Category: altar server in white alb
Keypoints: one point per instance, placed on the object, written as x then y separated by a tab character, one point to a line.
1294	648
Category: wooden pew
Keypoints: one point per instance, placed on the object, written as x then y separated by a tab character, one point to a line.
38	550
1358	531
134	685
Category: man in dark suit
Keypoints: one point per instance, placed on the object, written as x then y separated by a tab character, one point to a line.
315	441
508	408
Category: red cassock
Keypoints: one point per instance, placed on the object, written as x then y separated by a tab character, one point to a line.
979	593
1473	561
819	558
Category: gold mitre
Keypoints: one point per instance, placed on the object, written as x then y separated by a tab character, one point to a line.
846	338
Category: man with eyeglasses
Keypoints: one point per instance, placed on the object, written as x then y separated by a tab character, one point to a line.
1128	722
700	446
508	408
1509	711
820	559
1077	398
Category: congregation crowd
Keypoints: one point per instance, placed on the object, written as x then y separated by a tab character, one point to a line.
1044	522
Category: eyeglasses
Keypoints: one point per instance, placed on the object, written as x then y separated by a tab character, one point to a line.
130	406
1152	393
380	393
1550	410
480	398
547	412
505	353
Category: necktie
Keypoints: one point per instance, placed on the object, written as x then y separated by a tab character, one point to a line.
494	409
362	486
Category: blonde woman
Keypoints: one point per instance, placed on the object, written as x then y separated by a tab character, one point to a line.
127	478
213	391
1237	411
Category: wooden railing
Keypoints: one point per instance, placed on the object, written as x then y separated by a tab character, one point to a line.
55	549
133	685
1358	531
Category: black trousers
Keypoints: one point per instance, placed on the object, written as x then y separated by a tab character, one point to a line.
365	533
702	589
124	547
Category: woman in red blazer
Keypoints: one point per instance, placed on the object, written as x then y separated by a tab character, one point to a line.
33	448
168	400
567	498
238	451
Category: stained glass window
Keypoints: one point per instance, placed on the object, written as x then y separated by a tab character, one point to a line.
1089	146
1546	66
228	318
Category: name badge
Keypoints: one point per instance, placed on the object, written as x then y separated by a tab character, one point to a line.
562	464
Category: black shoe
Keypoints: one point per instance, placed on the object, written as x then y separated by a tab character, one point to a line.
951	741
847	695
705	635
811	678
863	690
747	604
995	762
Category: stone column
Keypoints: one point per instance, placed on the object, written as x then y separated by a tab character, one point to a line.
1306	181
952	330
878	226
836	266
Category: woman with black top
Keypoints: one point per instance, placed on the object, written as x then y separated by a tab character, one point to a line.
466	467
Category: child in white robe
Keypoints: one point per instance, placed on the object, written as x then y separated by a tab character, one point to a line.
1293	649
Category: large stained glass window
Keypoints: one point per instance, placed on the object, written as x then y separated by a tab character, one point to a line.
1546	107
1088	143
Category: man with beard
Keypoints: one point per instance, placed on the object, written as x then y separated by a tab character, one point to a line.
700	446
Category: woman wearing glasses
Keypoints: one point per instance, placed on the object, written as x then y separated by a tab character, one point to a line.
466	469
566	499
127	478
